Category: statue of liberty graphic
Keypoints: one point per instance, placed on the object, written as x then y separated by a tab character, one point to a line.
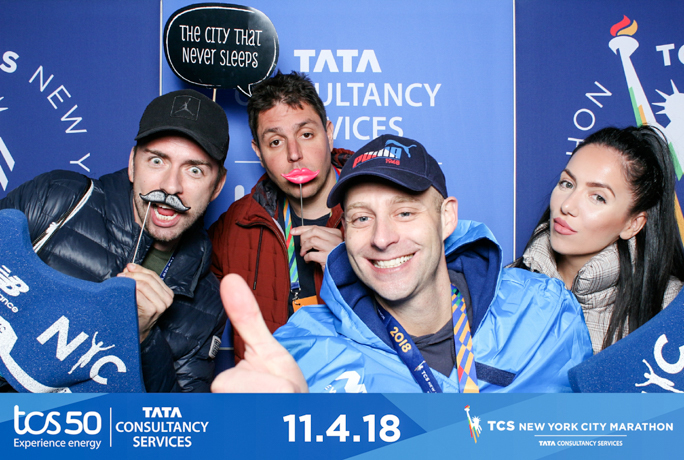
625	45
473	425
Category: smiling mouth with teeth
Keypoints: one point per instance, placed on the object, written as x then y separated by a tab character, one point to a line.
164	213
392	263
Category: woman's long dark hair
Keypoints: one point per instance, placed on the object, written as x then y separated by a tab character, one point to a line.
659	253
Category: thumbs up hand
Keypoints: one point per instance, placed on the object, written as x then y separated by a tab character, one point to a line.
267	367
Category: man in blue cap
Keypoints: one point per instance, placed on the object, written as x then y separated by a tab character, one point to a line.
416	300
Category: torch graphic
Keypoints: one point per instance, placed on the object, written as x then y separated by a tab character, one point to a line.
474	425
625	45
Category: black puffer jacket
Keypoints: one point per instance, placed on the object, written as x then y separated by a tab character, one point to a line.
98	242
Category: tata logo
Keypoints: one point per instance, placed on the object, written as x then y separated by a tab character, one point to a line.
162	412
349	60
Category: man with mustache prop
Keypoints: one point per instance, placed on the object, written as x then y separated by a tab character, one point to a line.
145	223
278	237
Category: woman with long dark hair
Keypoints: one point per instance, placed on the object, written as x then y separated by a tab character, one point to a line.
610	232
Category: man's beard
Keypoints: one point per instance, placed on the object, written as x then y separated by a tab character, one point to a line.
166	235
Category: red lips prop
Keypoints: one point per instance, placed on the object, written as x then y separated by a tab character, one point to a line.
300	176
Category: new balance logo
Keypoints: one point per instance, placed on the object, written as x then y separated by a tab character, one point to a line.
11	285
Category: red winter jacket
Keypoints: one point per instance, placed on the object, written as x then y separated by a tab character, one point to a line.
247	240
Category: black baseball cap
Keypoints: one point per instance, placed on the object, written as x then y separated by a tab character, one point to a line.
400	160
190	113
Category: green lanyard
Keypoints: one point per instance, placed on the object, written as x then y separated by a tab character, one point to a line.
290	244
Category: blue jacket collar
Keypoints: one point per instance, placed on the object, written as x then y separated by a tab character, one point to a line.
472	250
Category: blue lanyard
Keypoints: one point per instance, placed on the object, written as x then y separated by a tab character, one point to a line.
163	273
413	359
409	354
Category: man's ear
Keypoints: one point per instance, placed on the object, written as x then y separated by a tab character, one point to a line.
449	213
330	130
255	147
219	186
131	160
634	225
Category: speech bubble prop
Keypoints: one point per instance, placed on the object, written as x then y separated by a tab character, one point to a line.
62	334
221	45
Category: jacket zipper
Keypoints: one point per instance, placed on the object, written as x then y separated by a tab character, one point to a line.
258	257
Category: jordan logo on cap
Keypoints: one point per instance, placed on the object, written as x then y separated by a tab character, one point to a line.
185	107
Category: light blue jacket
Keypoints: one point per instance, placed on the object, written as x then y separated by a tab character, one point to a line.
528	330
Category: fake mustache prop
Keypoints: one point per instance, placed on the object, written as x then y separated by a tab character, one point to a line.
159	197
172	201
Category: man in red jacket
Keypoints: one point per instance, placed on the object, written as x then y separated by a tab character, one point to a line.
278	237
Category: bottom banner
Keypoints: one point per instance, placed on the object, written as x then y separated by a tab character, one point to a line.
369	426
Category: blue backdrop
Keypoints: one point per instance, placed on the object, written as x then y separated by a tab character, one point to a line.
570	83
75	77
441	73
